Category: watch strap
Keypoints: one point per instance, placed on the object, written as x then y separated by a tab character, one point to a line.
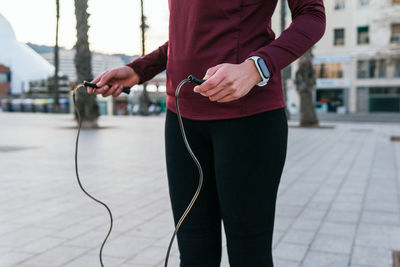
264	76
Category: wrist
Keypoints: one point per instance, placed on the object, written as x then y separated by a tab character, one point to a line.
262	69
252	72
135	78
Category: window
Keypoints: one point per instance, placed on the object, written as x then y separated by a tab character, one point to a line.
339	4
362	3
395	38
384	99
3	77
338	37
329	70
363	35
381	68
362	69
373	68
384	90
397	68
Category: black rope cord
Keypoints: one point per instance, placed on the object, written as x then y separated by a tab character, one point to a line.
190	79
79	181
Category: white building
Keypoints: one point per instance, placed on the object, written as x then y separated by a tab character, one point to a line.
357	61
100	62
25	64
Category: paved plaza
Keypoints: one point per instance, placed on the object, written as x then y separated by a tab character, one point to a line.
338	202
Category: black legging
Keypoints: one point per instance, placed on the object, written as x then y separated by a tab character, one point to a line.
242	160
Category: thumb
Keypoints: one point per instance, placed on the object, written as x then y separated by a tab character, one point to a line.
211	71
105	78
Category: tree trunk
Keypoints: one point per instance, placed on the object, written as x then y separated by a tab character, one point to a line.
286	72
308	117
86	103
56	62
144	100
305	84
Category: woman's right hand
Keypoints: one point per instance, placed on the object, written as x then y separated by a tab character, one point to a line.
112	82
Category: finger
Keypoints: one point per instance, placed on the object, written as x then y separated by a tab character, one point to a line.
111	90
92	90
89	90
118	91
98	78
221	94
215	90
102	89
228	98
211	71
106	78
211	83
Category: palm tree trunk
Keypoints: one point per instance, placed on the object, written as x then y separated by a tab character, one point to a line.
56	62
286	72
144	100
86	103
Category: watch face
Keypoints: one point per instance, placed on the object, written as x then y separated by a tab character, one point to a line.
263	68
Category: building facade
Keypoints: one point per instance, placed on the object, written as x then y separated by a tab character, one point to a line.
5	80
100	62
357	62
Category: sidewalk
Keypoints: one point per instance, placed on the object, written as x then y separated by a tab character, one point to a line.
378	117
338	202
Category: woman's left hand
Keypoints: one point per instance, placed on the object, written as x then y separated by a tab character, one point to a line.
227	82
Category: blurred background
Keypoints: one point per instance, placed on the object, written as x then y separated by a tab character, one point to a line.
339	197
356	64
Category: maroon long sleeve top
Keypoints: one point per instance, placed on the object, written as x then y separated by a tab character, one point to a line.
205	33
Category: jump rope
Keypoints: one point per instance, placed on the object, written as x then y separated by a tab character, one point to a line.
127	90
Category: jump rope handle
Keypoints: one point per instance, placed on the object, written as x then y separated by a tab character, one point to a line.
195	80
126	90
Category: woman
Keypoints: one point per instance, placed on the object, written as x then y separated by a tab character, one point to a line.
235	121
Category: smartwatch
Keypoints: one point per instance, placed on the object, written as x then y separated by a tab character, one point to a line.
262	70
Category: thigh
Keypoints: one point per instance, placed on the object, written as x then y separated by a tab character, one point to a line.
199	238
249	155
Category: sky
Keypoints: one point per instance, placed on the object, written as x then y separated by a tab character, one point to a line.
114	24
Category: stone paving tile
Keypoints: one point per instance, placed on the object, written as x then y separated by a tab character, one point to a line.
378	236
285	263
282	223
90	239
290	251
342	216
276	238
325	259
298	237
24	236
306	224
126	246
151	255
92	260
41	245
12	258
339	192
55	257
332	243
372	256
338	229
386	218
313	214
289	210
